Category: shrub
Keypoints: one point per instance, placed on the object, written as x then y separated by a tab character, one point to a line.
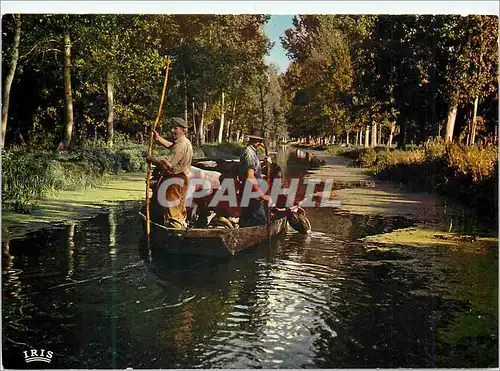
106	160
336	150
368	158
76	175
472	162
26	177
121	140
434	149
382	159
198	152
132	159
355	154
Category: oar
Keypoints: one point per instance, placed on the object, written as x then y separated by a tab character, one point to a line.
150	148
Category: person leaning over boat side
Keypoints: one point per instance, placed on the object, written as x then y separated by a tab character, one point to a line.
250	170
175	165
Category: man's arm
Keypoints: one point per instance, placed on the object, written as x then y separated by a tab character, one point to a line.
255	185
164	163
157	137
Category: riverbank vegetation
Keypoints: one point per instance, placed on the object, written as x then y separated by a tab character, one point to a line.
76	78
466	173
28	175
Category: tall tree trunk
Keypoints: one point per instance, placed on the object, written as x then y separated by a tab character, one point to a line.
10	76
391	135
221	126
194	122
474	122
347	137
450	124
201	129
380	135
367	136
110	91
185	97
68	131
374	134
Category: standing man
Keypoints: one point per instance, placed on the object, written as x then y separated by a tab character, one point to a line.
175	165
255	213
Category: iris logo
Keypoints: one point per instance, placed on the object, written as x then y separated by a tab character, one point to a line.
35	355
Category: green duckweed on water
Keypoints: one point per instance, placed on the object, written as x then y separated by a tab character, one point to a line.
471	264
72	205
426	236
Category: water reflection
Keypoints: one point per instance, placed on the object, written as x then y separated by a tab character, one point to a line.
94	294
71	248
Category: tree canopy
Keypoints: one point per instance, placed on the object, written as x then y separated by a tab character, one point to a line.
414	71
409	76
116	68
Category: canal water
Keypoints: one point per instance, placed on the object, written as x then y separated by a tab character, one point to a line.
96	297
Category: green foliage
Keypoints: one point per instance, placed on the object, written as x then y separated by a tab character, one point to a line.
474	163
369	158
354	153
350	71
319	79
335	150
124	54
434	150
28	176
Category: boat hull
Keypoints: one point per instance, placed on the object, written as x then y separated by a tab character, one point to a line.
212	241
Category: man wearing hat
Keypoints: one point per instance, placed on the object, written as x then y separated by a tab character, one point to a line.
175	165
255	213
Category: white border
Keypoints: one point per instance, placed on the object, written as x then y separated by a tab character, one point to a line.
253	7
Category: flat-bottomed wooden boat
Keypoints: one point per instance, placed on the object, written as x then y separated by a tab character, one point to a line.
212	241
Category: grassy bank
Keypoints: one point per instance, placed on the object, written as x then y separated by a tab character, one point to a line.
69	206
468	174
